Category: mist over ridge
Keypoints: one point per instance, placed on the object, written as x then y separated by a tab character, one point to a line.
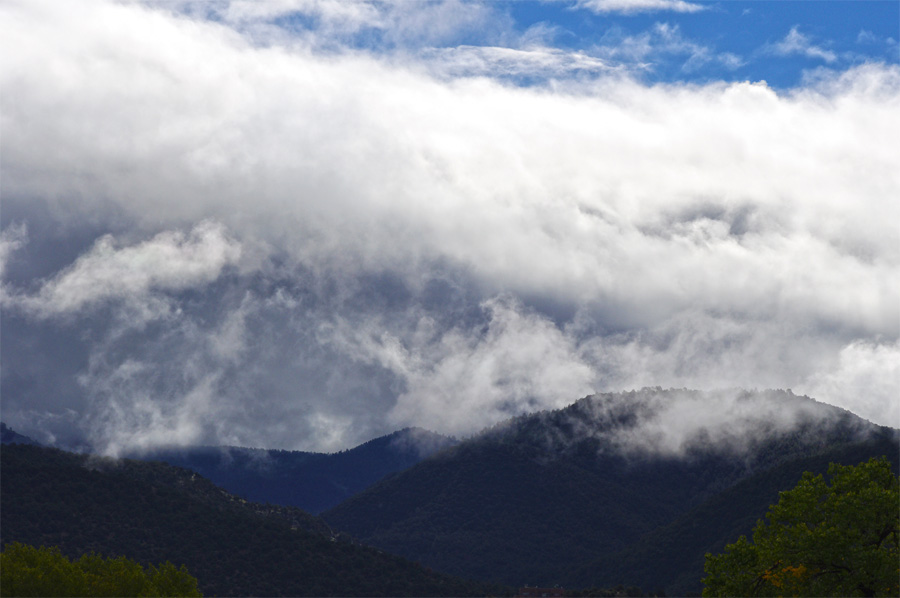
681	423
615	488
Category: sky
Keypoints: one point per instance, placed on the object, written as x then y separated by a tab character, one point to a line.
301	224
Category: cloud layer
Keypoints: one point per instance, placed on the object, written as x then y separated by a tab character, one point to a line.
307	247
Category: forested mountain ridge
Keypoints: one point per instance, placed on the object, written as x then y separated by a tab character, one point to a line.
672	556
311	481
152	512
529	499
627	488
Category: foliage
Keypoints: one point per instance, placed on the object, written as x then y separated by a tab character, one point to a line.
29	571
822	539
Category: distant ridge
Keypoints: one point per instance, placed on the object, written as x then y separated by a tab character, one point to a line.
313	482
590	495
10	436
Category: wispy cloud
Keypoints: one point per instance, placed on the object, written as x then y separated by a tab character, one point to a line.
867	37
171	261
638	6
539	62
676	422
11	239
458	379
797	43
331	24
662	41
866	377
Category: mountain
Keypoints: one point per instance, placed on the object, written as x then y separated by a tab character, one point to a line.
152	512
312	481
10	436
672	556
575	496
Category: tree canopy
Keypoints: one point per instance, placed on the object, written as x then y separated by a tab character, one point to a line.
29	571
835	537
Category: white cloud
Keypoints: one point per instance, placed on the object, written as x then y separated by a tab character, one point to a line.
170	261
128	415
676	422
638	6
643	50
11	238
704	235
460	380
867	37
539	62
347	16
798	43
328	24
865	380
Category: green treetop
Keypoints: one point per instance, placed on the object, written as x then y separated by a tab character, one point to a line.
835	538
29	571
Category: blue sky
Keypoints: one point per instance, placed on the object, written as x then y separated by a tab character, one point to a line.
775	41
753	32
305	223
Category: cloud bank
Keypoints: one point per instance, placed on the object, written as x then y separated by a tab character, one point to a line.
276	244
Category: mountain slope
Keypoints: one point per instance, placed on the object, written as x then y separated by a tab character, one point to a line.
523	502
312	481
10	436
672	556
152	512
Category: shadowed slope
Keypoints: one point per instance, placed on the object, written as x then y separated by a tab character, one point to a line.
312	481
152	512
672	556
525	501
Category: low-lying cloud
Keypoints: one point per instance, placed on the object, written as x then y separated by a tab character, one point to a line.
681	422
170	261
457	379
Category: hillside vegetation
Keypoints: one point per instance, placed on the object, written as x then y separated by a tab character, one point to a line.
620	490
672	556
41	572
586	496
153	512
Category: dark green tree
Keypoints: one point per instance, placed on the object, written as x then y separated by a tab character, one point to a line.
823	538
29	571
